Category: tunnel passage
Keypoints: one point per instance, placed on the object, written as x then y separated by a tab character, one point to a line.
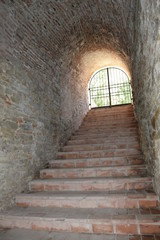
49	51
45	50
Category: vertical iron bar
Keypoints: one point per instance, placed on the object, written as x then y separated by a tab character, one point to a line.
90	96
109	87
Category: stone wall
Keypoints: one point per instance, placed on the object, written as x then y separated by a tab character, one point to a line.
146	82
32	125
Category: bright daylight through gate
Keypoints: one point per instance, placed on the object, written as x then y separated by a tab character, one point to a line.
108	87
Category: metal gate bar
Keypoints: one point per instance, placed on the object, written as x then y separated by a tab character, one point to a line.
109	86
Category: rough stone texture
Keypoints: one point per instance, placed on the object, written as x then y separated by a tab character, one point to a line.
146	82
43	99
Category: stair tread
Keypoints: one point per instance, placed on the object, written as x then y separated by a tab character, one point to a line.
61	152
82	194
99	158
26	234
132	215
142	166
140	179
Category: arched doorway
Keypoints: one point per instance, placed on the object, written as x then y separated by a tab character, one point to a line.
109	86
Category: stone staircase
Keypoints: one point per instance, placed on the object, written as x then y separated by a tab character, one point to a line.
97	185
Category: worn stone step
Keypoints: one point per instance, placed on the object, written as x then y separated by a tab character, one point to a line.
25	234
105	135
114	116
110	116
111	129
121	171
98	221
109	120
108	129
105	121
112	110
29	234
100	146
123	132
105	125
108	111
128	141
96	162
88	200
124	108
98	153
91	184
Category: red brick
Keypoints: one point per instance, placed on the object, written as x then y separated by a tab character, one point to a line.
150	228
103	228
126	228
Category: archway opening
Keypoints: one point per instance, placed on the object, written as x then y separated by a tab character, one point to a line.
109	86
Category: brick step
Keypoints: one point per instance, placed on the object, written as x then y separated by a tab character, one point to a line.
105	135
26	234
99	221
109	120
116	115
115	118
122	132
118	109
96	162
100	125
90	125
92	184
106	122
88	200
110	111
98	154
103	141
115	141
121	171
125	107
94	147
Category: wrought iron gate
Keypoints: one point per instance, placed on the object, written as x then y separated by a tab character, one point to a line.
108	87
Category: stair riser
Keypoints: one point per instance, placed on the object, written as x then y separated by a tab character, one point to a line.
97	226
105	135
97	154
85	186
100	147
110	117
110	113
123	132
112	124
105	124
93	163
84	202
92	173
124	108
113	142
